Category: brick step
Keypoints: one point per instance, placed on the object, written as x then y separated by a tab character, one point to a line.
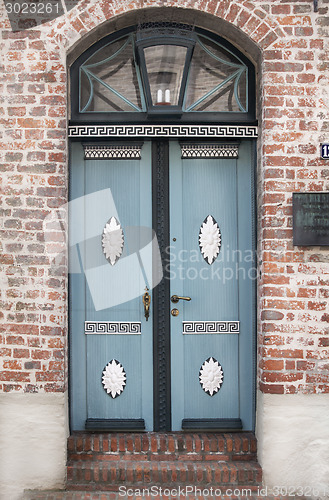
162	447
105	495
109	476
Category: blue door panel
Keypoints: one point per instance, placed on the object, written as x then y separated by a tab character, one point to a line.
198	404
127	350
106	293
222	291
247	284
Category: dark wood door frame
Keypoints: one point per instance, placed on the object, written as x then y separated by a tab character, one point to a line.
161	293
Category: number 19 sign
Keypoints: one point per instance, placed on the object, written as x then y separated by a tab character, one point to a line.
325	151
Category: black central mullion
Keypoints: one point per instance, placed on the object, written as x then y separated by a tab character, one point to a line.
161	293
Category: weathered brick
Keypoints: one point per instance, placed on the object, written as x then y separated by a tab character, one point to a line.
21	353
294	122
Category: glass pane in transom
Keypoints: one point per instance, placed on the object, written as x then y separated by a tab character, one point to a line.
216	81
109	80
165	66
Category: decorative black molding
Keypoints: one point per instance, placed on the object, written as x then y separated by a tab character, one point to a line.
162	131
161	293
163	30
196	327
112	151
198	151
212	424
115	424
113	327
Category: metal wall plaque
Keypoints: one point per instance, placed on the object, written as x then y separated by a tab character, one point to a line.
310	219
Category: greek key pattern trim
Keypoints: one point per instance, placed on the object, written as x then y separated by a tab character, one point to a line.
162	131
196	327
117	152
113	327
209	151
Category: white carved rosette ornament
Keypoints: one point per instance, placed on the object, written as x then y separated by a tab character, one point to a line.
211	376
209	239
112	240
114	378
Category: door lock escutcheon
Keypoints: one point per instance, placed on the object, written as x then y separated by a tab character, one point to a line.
146	302
176	298
175	312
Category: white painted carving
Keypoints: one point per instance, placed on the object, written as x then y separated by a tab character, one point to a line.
209	239
112	241
211	376
210	150
114	378
113	327
162	131
103	152
197	327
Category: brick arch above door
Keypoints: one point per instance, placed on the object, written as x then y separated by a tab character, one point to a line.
249	28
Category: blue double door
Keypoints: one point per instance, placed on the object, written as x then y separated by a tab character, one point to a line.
162	282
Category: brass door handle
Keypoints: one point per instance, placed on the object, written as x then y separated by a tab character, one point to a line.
176	298
146	302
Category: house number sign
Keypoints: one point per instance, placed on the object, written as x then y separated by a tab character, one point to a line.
310	219
325	151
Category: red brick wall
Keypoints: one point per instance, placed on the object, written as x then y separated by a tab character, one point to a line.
293	329
293	293
34	177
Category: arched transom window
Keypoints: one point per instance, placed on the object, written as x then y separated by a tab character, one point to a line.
164	69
